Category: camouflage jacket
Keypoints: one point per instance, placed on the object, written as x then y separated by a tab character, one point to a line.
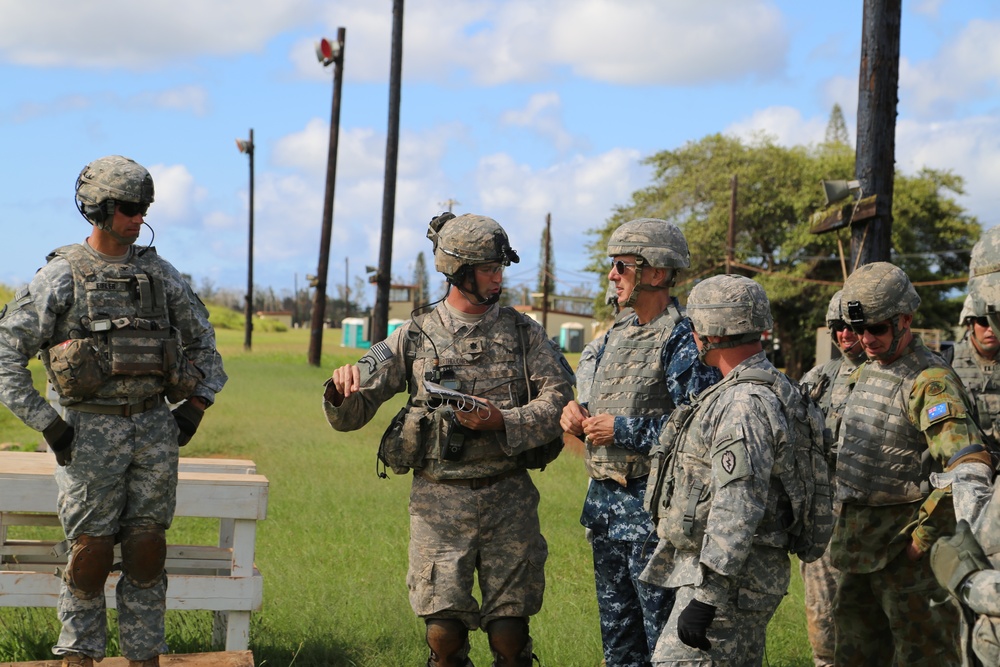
981	378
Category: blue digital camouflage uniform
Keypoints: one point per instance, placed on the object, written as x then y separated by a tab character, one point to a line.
474	515
909	417
623	537
722	540
123	472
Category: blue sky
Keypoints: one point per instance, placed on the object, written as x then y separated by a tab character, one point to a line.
514	108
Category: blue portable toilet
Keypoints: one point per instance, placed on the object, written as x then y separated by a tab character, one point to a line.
392	325
355	332
571	337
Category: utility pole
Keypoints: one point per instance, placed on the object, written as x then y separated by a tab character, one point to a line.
247	147
546	279
731	234
328	53
383	278
449	203
878	88
347	289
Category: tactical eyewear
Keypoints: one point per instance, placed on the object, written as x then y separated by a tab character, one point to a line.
130	209
982	321
838	326
620	266
489	269
874	329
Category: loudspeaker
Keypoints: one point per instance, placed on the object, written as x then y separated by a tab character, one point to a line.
837	190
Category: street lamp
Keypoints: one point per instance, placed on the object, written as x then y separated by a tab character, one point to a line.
328	53
246	146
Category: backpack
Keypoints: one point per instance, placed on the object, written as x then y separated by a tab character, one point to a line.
807	477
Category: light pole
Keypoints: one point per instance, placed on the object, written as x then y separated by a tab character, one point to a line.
328	53
246	146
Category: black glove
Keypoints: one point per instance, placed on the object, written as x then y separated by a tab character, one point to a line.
693	623
59	436
187	417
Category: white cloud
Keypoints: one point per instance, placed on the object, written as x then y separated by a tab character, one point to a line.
785	124
542	115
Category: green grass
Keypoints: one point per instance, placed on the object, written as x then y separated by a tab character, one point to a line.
333	548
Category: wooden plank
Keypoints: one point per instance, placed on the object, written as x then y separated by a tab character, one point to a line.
218	659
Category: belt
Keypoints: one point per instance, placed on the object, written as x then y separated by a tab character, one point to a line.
122	409
476	482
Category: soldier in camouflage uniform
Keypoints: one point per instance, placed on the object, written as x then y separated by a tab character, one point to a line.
647	366
975	362
828	385
473	506
720	505
906	416
121	334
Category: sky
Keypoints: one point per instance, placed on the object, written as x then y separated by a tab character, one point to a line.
515	109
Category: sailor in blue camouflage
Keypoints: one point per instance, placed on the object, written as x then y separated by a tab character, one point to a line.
720	506
828	385
473	504
120	333
646	367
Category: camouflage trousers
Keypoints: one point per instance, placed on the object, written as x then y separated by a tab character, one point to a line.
124	472
895	616
737	633
632	611
819	580
458	533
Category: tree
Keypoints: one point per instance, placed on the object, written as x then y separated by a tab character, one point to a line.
422	290
836	128
778	193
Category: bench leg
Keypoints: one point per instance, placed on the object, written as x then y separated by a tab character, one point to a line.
231	629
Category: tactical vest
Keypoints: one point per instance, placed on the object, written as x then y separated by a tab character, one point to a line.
981	378
115	343
836	374
629	381
880	457
487	365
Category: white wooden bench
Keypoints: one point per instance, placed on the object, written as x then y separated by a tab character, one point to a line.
221	578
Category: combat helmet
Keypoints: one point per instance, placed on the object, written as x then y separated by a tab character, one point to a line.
655	243
461	242
833	313
984	277
731	306
968	311
108	180
879	292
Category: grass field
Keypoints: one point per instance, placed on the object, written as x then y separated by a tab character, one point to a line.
333	547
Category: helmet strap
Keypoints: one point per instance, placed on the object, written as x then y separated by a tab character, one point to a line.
735	341
640	287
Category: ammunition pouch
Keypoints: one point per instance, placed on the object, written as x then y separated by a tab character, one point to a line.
76	368
404	443
537	458
182	376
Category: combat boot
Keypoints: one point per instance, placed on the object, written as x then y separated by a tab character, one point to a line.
149	662
76	660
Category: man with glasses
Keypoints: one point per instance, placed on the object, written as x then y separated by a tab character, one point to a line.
975	361
121	336
907	416
828	385
473	505
648	365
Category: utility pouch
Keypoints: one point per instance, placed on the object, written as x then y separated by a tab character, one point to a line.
182	375
139	351
76	369
404	443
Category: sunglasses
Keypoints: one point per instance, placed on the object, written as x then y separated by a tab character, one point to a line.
838	326
982	321
620	266
130	209
874	329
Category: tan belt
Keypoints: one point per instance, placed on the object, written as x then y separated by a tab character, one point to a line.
476	482
122	410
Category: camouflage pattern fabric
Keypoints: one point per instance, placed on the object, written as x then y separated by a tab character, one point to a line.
458	531
623	533
124	469
721	538
981	378
881	592
585	369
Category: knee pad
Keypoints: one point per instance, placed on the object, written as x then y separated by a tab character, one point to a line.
448	639
510	641
90	562
144	552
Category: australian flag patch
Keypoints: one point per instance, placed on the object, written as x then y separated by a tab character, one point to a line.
935	412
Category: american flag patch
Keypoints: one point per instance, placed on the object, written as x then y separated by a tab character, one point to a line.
380	351
937	411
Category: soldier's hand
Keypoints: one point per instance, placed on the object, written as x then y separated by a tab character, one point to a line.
59	436
486	417
188	417
600	430
346	380
571	419
693	623
955	557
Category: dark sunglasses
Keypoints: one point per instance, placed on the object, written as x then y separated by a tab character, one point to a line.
838	326
981	321
620	266
130	209
874	329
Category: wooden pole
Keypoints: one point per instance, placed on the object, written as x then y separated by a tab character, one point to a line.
731	235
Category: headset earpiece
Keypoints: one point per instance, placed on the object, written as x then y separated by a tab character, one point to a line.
98	214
